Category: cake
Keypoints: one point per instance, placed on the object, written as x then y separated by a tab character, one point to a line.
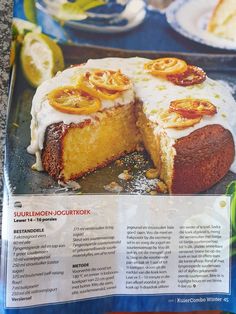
186	126
223	20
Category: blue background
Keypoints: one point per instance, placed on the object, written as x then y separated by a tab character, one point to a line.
153	34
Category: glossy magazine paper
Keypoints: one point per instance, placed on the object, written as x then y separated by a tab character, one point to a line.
119	167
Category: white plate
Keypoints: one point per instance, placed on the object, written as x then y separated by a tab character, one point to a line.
134	14
190	18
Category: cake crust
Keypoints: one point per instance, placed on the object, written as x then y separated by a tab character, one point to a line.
202	159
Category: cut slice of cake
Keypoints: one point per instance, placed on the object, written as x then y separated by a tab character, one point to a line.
223	20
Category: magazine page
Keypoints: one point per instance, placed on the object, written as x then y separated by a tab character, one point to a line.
119	173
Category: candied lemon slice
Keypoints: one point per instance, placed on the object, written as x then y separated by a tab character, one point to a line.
111	80
165	66
193	75
175	120
73	100
102	93
193	108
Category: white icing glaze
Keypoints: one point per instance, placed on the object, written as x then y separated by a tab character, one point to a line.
152	91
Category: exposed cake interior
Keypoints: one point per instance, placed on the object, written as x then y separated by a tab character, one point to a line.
87	146
159	146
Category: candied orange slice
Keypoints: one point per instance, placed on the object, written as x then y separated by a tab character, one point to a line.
110	80
99	92
193	108
174	120
165	66
193	75
73	100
